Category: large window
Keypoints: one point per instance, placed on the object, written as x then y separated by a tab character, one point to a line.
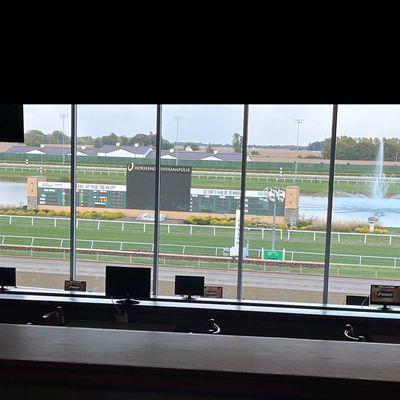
200	194
286	251
365	221
115	189
34	236
286	202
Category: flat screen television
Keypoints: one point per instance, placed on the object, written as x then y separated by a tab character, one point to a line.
128	282
7	277
352	300
12	123
189	285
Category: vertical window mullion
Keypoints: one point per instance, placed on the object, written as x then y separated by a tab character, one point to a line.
72	257
330	204
156	237
242	201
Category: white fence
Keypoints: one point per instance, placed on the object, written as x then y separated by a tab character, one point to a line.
288	233
85	244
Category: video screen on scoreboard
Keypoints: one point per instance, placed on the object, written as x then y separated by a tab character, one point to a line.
175	183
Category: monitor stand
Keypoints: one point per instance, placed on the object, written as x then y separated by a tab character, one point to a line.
3	289
128	301
189	298
385	307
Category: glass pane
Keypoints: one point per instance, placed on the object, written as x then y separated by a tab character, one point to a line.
200	193
34	232
366	205
115	202
286	202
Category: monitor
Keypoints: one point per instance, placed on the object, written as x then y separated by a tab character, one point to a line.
11	123
189	285
357	300
7	277
385	295
128	282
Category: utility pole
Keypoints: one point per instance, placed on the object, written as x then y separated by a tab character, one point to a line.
177	119
297	121
63	116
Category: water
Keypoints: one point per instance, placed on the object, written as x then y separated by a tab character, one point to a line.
12	194
353	209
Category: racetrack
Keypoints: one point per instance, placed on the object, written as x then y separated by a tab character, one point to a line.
266	280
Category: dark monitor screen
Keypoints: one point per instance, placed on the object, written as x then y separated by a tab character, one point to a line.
7	276
11	123
123	282
357	300
189	285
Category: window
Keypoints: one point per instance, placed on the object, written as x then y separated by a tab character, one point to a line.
34	233
365	221
115	189
200	194
286	202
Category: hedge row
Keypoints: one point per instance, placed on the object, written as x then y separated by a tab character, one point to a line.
52	213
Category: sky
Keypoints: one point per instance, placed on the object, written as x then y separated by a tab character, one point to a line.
268	124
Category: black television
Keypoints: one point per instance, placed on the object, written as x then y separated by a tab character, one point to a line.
11	123
352	300
128	282
7	277
189	285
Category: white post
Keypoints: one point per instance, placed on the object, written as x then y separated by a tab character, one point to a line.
9	221
262	233
168	228
190	232
123	225
338	238
390	240
98	225
144	227
32	221
365	239
214	230
55	222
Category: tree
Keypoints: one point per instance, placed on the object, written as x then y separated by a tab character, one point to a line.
85	140
237	142
57	138
209	148
35	138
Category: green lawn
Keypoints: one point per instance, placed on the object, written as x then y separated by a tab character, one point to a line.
201	241
213	182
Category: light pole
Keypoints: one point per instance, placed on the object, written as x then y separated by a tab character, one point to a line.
274	195
177	119
297	121
63	116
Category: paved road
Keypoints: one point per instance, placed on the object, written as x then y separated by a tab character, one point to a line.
270	280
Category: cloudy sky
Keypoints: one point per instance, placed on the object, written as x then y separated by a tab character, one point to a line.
268	124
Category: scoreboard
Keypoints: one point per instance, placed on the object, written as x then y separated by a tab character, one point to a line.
175	185
216	201
87	195
222	201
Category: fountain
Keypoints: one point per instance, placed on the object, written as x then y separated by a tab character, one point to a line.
382	183
360	206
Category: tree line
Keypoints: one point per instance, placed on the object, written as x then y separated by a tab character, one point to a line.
348	148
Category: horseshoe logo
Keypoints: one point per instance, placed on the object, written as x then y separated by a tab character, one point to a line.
131	166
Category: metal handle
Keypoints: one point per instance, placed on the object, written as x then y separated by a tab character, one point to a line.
213	327
349	333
